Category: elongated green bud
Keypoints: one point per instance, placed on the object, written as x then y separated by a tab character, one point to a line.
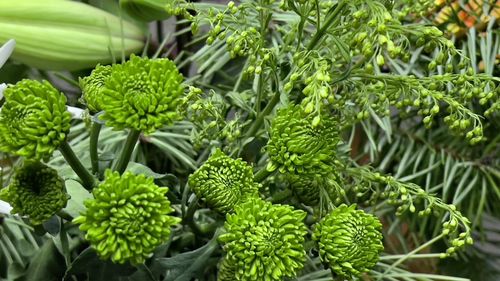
65	35
146	10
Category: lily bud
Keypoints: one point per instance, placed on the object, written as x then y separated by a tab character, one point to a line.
65	35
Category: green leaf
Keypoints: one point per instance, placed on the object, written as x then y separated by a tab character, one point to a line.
78	195
46	265
185	266
97	270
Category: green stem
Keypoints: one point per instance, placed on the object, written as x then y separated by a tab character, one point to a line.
262	175
94	138
328	22
260	91
122	162
88	180
260	118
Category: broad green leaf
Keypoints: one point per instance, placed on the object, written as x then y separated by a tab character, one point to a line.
78	195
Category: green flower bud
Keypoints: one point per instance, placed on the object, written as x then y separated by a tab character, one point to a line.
306	188
36	191
350	240
264	241
34	120
302	144
92	86
223	182
142	94
128	217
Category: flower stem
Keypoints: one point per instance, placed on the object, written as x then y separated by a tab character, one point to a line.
328	23
77	166
94	138
262	175
260	118
122	162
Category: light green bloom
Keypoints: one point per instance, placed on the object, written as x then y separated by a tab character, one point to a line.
297	147
224	182
35	191
142	94
350	240
264	241
34	120
92	87
128	217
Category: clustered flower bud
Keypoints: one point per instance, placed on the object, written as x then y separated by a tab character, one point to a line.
264	241
350	241
34	120
302	144
223	182
36	191
127	218
142	94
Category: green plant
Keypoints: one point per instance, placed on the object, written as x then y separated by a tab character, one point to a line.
261	166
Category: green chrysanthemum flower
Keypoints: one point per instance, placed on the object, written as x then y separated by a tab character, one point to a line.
264	241
297	147
36	191
224	182
142	94
128	217
226	271
92	86
34	120
350	240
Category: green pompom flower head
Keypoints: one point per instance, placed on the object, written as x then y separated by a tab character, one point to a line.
36	191
142	94
34	121
92	87
128	217
264	241
298	144
224	182
350	240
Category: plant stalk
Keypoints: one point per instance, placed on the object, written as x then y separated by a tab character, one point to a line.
262	175
328	22
260	118
94	138
88	180
121	164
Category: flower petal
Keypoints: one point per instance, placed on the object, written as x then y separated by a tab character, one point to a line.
6	50
5	207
